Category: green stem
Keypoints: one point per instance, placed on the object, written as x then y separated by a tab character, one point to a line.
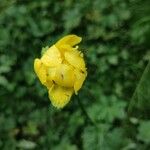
86	113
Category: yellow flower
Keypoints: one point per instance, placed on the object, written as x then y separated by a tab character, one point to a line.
62	70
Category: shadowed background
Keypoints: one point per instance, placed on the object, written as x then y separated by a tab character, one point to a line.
115	43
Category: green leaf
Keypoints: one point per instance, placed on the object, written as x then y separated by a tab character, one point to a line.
101	139
140	102
144	131
65	144
108	109
30	129
25	144
93	139
44	49
114	140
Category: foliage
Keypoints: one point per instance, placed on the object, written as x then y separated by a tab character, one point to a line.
116	45
140	104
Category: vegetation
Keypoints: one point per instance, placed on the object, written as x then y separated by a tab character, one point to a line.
112	110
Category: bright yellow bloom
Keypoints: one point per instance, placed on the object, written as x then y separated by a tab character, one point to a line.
62	70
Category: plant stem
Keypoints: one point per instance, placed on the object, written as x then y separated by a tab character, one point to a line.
86	113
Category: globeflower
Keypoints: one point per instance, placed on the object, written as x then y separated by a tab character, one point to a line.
62	70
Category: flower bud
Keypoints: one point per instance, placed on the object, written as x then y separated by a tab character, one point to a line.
62	70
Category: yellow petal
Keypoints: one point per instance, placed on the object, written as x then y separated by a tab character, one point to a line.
75	58
60	96
51	73
51	57
80	77
64	48
37	64
40	70
48	83
65	75
69	40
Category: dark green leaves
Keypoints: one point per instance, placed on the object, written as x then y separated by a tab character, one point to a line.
108	109
116	46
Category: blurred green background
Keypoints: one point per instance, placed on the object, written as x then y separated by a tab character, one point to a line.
116	45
